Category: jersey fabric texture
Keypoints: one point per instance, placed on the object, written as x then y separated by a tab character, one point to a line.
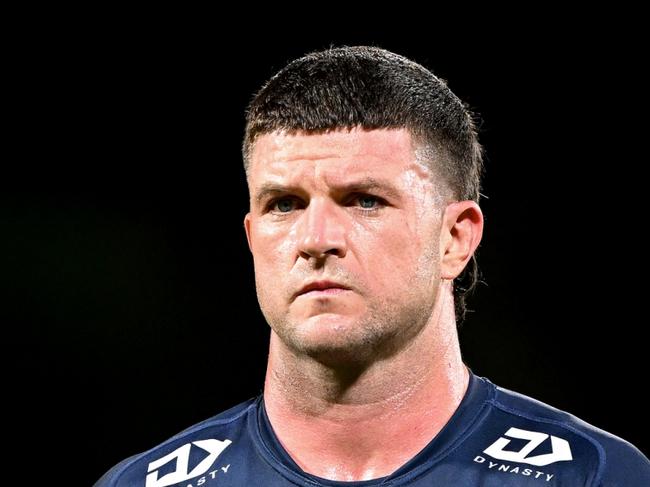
496	438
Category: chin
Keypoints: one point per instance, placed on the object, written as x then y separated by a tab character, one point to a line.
336	342
337	356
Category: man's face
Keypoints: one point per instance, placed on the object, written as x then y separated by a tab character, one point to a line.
354	208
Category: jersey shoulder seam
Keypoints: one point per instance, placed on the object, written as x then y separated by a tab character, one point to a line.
191	429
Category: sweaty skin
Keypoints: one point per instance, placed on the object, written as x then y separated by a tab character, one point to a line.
360	379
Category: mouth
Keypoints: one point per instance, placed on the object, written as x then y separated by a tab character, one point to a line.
322	288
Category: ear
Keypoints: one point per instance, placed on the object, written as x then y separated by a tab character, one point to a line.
247	227
460	234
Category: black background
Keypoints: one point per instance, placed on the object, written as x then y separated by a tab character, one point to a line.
130	309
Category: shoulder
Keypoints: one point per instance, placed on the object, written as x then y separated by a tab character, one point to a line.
605	459
212	435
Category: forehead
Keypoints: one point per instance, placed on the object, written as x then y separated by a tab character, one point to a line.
333	155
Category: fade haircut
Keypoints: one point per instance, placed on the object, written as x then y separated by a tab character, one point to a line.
371	88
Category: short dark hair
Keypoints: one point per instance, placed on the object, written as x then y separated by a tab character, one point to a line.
372	88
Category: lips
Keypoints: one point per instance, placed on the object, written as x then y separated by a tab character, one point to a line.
320	286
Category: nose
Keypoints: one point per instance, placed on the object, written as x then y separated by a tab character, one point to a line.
322	230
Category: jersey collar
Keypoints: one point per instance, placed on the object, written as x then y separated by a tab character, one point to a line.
461	424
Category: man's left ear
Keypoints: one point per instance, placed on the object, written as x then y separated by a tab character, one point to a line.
460	234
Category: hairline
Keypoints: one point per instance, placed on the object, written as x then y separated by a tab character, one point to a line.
425	153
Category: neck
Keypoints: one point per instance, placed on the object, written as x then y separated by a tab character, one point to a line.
365	422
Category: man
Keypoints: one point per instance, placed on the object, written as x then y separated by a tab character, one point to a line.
364	175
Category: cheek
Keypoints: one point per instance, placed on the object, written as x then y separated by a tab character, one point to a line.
271	247
391	256
405	255
272	260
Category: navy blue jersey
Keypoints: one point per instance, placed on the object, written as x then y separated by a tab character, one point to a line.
496	438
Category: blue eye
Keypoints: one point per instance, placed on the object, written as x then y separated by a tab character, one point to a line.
284	205
371	200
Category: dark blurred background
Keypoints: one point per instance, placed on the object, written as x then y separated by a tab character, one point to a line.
130	308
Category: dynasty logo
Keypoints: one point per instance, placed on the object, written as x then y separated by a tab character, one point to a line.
182	458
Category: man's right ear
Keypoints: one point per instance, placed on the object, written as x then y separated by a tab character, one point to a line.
247	227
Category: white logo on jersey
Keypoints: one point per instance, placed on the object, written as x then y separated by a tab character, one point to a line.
560	448
182	457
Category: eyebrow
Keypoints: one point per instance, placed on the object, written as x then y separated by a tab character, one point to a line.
366	184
